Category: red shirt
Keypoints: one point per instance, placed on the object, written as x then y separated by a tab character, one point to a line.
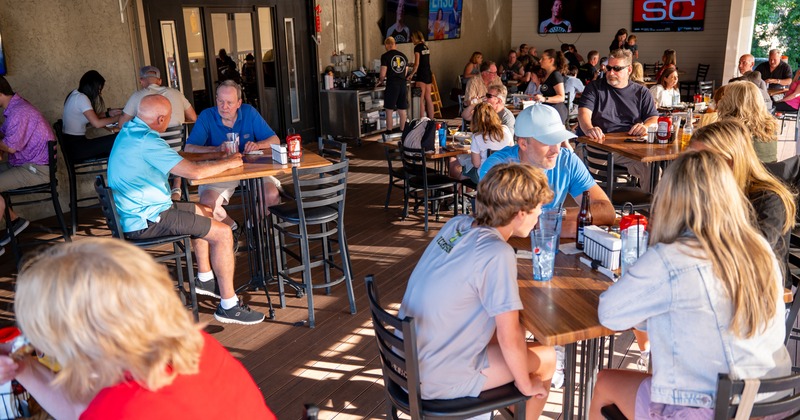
222	389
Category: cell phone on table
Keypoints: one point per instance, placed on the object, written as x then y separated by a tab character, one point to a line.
635	140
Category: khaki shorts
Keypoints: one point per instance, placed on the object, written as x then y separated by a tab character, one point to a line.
226	189
13	177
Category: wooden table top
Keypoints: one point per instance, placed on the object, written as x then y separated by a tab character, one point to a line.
563	310
773	92
453	149
642	152
258	166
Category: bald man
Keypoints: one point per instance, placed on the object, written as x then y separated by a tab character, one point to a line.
138	169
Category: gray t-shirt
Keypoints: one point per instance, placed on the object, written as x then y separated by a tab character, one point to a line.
615	110
176	99
466	277
507	119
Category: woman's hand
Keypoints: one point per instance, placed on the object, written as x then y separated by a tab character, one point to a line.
8	369
538	97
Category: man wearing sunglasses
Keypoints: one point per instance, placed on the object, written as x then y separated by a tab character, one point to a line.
496	97
614	105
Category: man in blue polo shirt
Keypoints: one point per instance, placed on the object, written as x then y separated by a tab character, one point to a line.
138	169
211	130
539	134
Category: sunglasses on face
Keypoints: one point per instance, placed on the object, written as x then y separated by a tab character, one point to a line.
490	96
616	69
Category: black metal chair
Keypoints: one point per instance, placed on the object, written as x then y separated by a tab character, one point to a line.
320	203
729	398
43	192
397	175
792	332
400	365
331	149
598	162
692	86
181	244
75	169
175	137
433	187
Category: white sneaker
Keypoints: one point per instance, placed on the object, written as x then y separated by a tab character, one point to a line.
643	364
558	376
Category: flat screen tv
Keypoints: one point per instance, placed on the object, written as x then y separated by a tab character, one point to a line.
3	69
404	17
563	16
668	15
444	19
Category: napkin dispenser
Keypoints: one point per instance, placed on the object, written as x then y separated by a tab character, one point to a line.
602	246
279	154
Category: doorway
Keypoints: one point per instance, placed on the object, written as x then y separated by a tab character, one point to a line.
266	50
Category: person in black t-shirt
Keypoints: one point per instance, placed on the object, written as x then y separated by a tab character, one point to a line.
553	62
399	31
393	72
422	69
555	24
775	72
588	71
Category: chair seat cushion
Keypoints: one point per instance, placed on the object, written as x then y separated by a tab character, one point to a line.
144	243
487	401
434	181
631	195
290	213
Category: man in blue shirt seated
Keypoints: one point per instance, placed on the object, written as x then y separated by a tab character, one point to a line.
210	132
138	169
539	134
464	297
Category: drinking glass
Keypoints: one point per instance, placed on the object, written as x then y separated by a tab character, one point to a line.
550	221
634	244
543	246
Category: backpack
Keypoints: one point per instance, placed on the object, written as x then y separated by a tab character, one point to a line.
420	134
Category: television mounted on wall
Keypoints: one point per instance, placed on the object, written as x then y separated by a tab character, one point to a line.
566	16
668	15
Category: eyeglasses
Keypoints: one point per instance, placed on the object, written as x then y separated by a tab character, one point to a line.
489	96
616	69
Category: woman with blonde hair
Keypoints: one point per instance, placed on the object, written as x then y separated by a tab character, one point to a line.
637	73
422	69
126	345
473	67
709	291
773	202
743	102
488	133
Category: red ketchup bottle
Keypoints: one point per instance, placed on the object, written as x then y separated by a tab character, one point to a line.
664	129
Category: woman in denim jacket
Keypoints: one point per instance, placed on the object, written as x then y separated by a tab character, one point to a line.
709	293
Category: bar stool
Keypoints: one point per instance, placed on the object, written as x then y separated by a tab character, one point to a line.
50	192
320	194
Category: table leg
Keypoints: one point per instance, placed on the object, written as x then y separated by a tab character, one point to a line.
570	369
259	257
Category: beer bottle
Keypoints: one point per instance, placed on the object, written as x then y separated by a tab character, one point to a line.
584	219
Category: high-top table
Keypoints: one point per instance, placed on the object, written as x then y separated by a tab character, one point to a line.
563	311
654	153
251	175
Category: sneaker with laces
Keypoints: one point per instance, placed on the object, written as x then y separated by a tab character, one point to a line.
17	226
643	364
239	314
206	288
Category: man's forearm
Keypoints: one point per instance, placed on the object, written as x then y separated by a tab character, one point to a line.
603	213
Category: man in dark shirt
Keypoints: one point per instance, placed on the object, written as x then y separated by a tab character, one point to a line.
614	105
393	71
570	56
588	71
775	72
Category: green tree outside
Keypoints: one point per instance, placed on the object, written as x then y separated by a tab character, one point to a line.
777	25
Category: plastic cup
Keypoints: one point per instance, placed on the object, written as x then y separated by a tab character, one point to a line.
634	244
234	138
652	132
543	246
550	221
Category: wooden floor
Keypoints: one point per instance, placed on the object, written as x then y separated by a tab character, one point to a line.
335	364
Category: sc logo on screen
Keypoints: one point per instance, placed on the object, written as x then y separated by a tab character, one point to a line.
662	9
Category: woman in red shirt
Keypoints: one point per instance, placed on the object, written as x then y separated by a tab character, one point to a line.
128	349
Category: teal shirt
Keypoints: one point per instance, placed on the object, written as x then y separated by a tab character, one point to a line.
138	169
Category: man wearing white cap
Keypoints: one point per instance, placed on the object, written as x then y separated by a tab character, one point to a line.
539	134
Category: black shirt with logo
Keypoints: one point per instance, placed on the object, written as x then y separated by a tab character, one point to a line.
396	63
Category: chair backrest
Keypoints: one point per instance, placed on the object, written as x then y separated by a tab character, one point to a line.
414	163
706	86
52	161
598	161
175	137
702	71
331	149
649	69
58	127
108	206
318	187
729	392
398	354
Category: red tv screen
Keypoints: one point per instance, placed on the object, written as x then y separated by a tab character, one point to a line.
668	15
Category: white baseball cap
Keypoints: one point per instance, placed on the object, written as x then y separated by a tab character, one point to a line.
543	123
